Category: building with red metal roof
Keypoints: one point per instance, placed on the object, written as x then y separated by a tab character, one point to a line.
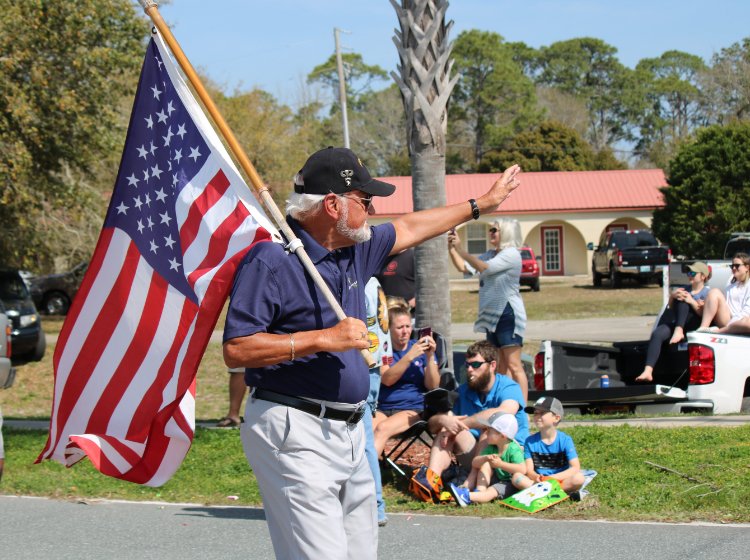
559	212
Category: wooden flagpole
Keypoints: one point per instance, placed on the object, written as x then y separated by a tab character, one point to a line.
260	191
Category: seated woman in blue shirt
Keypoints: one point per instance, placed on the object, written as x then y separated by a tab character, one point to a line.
413	372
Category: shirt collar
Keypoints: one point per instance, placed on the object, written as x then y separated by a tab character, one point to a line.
314	250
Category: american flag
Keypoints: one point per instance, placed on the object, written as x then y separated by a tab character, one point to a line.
179	221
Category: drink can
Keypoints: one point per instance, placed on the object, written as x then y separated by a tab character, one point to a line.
604	381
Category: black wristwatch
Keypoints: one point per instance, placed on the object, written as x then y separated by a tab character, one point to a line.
474	209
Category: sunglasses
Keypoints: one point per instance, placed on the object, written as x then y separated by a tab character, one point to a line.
735	266
364	201
475	365
493	230
690	273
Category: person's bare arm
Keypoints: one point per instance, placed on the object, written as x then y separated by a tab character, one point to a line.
508	406
416	227
460	257
265	349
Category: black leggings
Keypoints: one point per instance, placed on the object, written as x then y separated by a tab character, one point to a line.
680	314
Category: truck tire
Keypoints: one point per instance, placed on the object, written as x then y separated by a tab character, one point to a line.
745	406
597	278
615	281
55	303
535	285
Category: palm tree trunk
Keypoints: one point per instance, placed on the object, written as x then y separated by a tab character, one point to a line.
425	84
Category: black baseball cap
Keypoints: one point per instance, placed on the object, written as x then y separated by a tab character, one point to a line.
338	171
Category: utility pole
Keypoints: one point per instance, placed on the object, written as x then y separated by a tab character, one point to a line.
342	87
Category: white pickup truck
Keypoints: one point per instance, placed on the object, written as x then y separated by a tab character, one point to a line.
707	373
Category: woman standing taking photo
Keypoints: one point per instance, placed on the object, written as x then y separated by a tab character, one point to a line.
502	315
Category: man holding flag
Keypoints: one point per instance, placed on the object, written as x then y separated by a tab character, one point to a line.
302	433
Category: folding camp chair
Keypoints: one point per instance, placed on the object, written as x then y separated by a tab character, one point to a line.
438	400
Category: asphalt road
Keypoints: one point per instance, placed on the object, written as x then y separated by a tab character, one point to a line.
36	528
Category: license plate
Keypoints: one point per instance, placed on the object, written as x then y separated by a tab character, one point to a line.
645	268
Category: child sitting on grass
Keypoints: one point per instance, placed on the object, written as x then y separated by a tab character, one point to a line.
550	453
492	469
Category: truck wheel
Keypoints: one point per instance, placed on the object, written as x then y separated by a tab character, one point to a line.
41	346
745	407
535	285
615	281
55	303
596	277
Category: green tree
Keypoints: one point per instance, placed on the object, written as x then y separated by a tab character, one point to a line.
493	99
65	69
377	128
672	103
727	83
359	77
550	146
588	68
709	192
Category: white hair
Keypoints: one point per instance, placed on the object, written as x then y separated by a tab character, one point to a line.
509	231
300	205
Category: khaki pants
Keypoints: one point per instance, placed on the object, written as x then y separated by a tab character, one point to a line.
317	487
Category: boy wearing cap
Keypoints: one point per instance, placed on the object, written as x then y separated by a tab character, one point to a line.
492	469
549	453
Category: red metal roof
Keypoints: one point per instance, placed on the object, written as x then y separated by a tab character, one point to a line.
546	192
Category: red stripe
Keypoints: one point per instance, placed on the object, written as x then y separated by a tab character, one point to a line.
152	400
219	242
158	442
142	337
99	336
100	252
211	194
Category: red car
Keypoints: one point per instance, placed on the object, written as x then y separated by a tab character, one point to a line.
529	269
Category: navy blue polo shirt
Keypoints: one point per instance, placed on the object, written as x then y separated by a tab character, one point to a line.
272	293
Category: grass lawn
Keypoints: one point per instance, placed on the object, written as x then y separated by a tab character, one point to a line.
626	488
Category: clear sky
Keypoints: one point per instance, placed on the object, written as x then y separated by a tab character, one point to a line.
274	44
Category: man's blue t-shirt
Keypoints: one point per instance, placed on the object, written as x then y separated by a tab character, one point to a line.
552	458
470	402
408	392
273	293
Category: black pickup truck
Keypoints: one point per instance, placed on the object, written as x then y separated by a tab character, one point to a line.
633	253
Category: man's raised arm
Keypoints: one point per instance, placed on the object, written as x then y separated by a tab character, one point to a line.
414	228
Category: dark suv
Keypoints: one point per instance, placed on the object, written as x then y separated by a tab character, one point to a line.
53	293
27	336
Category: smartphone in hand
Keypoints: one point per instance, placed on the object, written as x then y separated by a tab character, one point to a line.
423	332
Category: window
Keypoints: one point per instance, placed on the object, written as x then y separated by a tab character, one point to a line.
476	238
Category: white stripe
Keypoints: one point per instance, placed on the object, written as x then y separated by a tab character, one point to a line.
132	396
92	306
113	354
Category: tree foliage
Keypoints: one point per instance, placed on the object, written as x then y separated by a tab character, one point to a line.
588	68
64	71
358	75
671	103
550	146
493	99
709	192
727	84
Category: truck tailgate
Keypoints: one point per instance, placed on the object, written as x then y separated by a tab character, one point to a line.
614	395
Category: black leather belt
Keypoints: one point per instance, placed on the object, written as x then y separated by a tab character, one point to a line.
348	416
